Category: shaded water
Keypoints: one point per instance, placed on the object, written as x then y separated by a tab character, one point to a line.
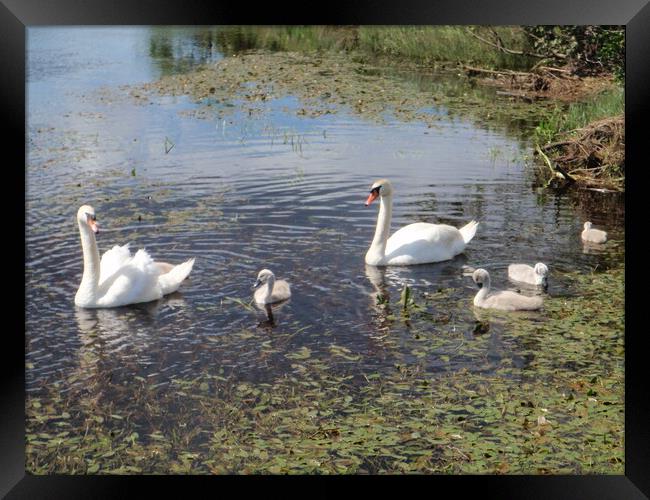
271	190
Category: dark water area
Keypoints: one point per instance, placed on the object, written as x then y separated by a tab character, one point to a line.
278	191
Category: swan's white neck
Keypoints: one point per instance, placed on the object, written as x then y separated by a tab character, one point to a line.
377	250
482	293
90	280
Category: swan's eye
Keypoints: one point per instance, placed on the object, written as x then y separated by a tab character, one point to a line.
375	189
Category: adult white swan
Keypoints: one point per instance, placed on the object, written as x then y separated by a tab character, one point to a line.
120	278
416	243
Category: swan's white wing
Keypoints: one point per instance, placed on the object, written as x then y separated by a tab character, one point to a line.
135	281
421	242
170	280
112	261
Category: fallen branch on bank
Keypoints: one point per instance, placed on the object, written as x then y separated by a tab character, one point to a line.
499	45
518	95
556	171
506	72
594	157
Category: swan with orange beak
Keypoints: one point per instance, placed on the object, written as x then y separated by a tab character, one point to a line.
119	278
417	243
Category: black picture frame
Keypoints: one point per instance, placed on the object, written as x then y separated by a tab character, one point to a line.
17	15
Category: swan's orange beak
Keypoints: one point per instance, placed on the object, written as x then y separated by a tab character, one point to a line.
373	196
92	222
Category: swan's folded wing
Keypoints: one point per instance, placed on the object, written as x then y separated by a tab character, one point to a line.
142	260
135	281
422	242
112	261
171	280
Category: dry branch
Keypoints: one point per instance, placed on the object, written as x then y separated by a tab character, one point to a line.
500	46
496	72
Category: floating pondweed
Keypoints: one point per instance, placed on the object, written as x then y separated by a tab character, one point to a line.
543	421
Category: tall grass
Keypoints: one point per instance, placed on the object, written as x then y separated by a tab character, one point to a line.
421	44
427	44
287	38
606	104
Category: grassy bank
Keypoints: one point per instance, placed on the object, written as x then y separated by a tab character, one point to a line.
586	139
419	44
426	45
566	119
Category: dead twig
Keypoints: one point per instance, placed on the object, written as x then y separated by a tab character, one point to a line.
554	145
518	95
558	70
459	452
496	72
556	170
499	45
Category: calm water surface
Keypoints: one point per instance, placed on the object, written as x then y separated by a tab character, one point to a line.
272	190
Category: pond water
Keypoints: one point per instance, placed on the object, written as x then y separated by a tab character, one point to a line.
271	190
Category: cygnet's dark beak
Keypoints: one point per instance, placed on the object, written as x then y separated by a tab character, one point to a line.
478	284
257	283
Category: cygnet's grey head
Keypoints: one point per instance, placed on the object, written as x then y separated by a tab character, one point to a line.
86	216
381	187
587	225
542	271
263	277
481	277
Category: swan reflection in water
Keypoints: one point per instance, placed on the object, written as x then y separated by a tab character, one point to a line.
120	339
269	309
430	275
124	333
590	248
120	321
381	278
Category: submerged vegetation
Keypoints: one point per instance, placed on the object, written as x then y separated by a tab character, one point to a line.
562	80
325	84
562	412
581	68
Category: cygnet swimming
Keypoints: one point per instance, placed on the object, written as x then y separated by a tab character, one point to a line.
593	235
269	290
503	300
524	273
